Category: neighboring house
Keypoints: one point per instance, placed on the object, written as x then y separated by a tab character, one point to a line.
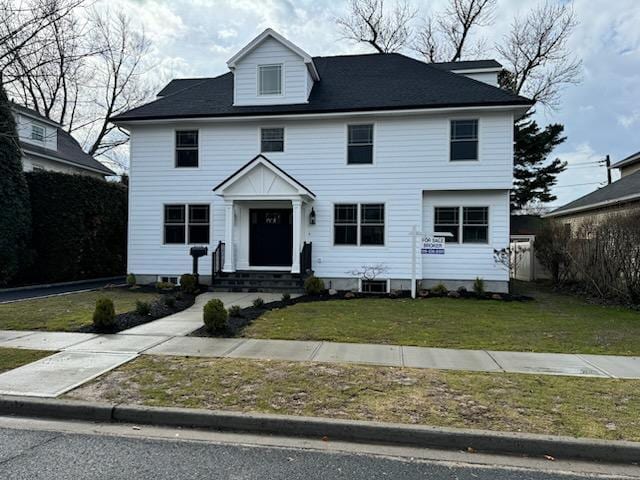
621	196
524	262
46	146
291	163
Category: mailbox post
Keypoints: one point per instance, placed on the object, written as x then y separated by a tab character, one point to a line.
196	253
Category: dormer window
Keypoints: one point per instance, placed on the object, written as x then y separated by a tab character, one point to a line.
37	133
269	79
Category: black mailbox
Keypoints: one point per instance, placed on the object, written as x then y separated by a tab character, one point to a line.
196	253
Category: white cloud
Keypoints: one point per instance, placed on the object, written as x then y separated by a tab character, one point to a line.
629	120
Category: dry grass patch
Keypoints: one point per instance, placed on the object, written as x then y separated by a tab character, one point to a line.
585	407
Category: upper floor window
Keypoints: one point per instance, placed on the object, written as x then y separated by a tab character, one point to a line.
187	148
359	224
37	133
270	80
464	140
272	140
360	144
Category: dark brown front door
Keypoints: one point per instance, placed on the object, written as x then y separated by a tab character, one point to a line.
270	237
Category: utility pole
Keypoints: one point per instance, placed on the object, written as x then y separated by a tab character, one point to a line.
607	162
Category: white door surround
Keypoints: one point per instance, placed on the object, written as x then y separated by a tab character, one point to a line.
259	184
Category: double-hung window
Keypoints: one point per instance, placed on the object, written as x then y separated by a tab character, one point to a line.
272	140
464	140
359	224
37	133
186	224
469	224
270	80
360	144
187	148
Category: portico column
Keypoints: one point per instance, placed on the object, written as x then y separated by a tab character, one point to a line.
297	234
229	262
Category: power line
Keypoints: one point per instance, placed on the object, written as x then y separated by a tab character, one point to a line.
577	185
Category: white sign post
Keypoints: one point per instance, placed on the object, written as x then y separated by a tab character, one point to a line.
415	234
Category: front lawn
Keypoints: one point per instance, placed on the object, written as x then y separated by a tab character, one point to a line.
65	312
11	358
550	323
555	405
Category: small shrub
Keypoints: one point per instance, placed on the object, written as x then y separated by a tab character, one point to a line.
142	308
170	301
104	315
215	316
131	280
313	285
286	297
235	311
439	289
188	283
179	296
462	290
478	286
165	286
258	303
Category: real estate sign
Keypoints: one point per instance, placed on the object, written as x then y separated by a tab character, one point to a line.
432	245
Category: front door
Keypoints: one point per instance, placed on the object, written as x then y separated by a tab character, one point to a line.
270	237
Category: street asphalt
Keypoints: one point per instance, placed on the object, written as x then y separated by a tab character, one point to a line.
43	291
39	454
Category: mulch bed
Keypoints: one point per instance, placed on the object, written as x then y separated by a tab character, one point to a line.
159	309
235	324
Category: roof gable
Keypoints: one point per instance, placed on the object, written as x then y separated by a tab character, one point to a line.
259	178
270	33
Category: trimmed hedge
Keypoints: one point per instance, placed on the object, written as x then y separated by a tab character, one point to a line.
79	227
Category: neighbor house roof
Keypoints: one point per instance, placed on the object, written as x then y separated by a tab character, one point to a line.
631	159
350	83
525	224
469	65
621	191
68	149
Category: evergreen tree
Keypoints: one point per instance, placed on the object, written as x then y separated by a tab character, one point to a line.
15	208
533	174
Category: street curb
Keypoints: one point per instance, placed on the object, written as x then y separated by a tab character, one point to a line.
334	430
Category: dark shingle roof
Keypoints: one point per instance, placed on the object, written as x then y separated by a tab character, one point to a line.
631	159
525	224
621	189
347	83
178	84
468	65
68	148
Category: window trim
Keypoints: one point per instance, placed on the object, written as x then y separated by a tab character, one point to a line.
284	138
346	144
44	133
185	224
463	162
175	148
461	208
358	204
282	80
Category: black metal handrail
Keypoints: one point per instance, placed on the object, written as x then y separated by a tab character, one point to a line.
218	260
305	259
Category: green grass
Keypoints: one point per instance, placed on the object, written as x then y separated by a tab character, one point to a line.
582	407
11	358
66	312
551	323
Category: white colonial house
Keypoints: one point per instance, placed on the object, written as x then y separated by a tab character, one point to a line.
46	145
289	163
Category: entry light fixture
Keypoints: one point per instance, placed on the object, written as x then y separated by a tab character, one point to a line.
312	217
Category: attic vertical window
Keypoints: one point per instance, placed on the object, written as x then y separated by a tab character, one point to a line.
360	144
270	79
37	133
464	140
187	148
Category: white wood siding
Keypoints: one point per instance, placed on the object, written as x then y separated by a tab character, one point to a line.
270	52
467	261
411	156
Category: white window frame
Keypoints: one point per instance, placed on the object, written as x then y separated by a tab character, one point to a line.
35	126
461	224
463	162
258	78
373	145
186	223
284	138
175	148
359	224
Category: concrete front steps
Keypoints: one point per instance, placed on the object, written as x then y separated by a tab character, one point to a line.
258	281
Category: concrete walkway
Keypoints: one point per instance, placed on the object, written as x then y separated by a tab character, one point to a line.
84	356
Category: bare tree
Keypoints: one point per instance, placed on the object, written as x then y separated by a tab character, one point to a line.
447	37
386	30
537	61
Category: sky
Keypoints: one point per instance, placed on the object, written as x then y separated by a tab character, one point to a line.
601	114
